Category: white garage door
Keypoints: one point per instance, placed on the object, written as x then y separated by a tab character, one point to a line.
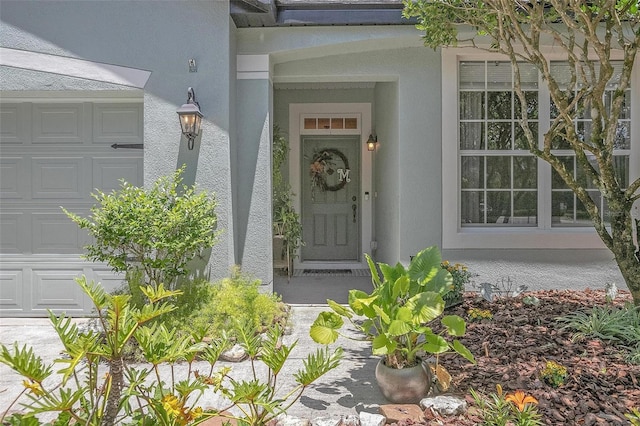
54	153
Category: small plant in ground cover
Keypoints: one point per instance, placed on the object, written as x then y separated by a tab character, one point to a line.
554	374
477	314
157	230
237	297
498	409
634	417
605	323
139	395
461	277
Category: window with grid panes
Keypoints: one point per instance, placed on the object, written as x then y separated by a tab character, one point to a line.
498	175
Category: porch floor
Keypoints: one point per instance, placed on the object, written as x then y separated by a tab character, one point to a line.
315	289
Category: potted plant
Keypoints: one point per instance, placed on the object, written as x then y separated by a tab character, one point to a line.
396	317
287	228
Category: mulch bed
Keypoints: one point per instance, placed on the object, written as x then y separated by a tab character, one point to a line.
601	386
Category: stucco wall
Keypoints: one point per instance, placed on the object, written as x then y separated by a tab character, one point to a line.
159	37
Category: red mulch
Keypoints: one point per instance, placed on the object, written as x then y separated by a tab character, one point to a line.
601	387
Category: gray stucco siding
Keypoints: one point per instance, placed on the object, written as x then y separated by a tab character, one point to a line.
125	33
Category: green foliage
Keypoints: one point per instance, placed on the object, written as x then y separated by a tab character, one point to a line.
554	374
398	312
609	323
634	417
213	308
461	277
258	398
497	409
286	219
158	230
138	394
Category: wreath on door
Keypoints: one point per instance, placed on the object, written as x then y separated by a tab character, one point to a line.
322	165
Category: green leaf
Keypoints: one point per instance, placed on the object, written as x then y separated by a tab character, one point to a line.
404	314
375	278
435	344
455	325
425	265
339	309
382	345
462	350
25	362
318	364
400	287
382	314
425	306
325	328
398	328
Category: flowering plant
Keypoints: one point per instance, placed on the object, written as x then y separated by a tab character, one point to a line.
554	374
461	276
518	408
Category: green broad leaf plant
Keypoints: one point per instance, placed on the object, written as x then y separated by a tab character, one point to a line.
397	316
96	385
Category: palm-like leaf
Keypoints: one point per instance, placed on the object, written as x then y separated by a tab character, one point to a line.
25	362
317	365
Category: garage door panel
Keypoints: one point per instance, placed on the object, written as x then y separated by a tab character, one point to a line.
13	230
56	123
14	178
117	123
56	153
11	290
57	178
13	119
56	233
107	172
57	290
109	280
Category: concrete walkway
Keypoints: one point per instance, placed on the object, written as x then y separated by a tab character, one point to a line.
346	390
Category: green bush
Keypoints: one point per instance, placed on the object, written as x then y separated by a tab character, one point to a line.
158	230
213	308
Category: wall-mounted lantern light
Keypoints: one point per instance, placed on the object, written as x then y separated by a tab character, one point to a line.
190	118
372	142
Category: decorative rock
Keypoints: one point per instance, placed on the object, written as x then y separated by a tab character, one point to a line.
327	421
371	419
235	354
399	412
286	420
445	405
351	420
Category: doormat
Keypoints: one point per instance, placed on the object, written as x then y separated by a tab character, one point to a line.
331	273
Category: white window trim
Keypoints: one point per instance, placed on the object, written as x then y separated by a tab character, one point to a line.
541	237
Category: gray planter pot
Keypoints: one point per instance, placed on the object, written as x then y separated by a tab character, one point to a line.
403	386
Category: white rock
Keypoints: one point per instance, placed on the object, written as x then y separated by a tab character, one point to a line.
370	419
351	420
445	405
287	420
235	354
327	421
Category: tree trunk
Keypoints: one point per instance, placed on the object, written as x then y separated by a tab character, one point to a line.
624	250
116	372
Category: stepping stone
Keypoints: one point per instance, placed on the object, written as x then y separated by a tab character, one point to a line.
397	412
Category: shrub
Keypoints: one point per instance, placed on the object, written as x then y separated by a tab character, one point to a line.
235	298
158	230
138	394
